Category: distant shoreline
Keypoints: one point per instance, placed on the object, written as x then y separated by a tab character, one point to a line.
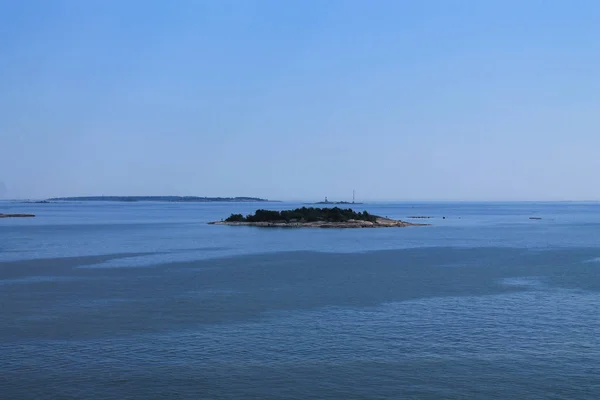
170	199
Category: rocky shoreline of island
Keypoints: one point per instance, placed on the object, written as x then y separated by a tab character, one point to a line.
380	223
313	218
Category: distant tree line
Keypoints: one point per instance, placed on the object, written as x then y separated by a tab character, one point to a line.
304	214
177	199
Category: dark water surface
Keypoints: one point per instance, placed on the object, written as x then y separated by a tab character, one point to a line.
146	301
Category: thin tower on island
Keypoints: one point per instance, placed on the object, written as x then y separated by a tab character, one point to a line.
353	195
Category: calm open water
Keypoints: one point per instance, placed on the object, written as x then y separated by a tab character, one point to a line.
147	301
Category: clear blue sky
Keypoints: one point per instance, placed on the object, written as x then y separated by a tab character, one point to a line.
400	100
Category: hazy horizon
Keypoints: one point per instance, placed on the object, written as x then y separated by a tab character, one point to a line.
298	100
311	199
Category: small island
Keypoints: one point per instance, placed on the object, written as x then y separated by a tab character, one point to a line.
16	215
335	202
326	201
313	218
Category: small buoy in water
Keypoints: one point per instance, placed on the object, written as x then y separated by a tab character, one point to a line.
443	217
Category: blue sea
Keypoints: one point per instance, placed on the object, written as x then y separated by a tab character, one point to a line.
147	301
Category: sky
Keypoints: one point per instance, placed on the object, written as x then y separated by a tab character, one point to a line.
301	99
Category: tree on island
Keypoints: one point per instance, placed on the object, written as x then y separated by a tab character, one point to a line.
236	218
304	214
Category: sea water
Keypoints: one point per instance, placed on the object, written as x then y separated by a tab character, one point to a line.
104	300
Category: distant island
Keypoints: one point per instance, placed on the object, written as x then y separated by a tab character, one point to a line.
16	215
313	218
335	202
174	199
326	201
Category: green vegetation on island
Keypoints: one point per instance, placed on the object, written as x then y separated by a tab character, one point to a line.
304	214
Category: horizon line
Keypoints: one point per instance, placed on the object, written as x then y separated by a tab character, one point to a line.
297	200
